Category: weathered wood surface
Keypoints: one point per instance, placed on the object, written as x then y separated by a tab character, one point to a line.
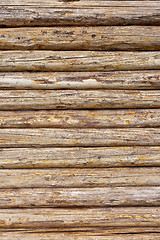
81	38
78	99
79	157
75	236
102	231
49	13
81	118
78	60
76	178
81	80
79	137
80	4
79	197
80	217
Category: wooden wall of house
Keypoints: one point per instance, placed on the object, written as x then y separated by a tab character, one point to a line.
79	120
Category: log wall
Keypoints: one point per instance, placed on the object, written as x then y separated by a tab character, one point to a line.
79	120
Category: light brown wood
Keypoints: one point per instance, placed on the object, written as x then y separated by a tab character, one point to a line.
79	4
76	178
49	13
78	60
79	157
81	80
75	236
81	119
80	217
99	231
48	137
81	38
78	99
79	197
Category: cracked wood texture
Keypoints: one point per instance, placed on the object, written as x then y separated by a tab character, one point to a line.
79	178
78	99
80	217
52	13
91	137
81	80
80	157
79	120
76	236
114	118
81	38
37	60
80	197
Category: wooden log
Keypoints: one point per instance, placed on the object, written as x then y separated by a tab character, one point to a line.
81	38
81	80
78	61
72	4
79	178
79	157
80	217
49	13
79	197
81	119
99	231
19	235
78	99
48	137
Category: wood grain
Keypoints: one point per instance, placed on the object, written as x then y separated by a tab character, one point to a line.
81	80
78	99
78	217
75	236
81	118
79	178
49	13
48	137
79	4
99	231
79	197
78	60
93	157
81	38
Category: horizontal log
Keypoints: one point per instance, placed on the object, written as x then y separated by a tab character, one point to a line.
79	157
81	119
79	197
81	80
48	137
81	38
79	178
75	4
78	99
82	217
78	60
99	231
75	236
49	13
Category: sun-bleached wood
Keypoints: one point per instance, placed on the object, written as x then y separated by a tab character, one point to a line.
81	38
78	217
19	235
78	99
78	4
76	178
81	80
78	60
79	197
49	13
79	137
79	157
81	118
